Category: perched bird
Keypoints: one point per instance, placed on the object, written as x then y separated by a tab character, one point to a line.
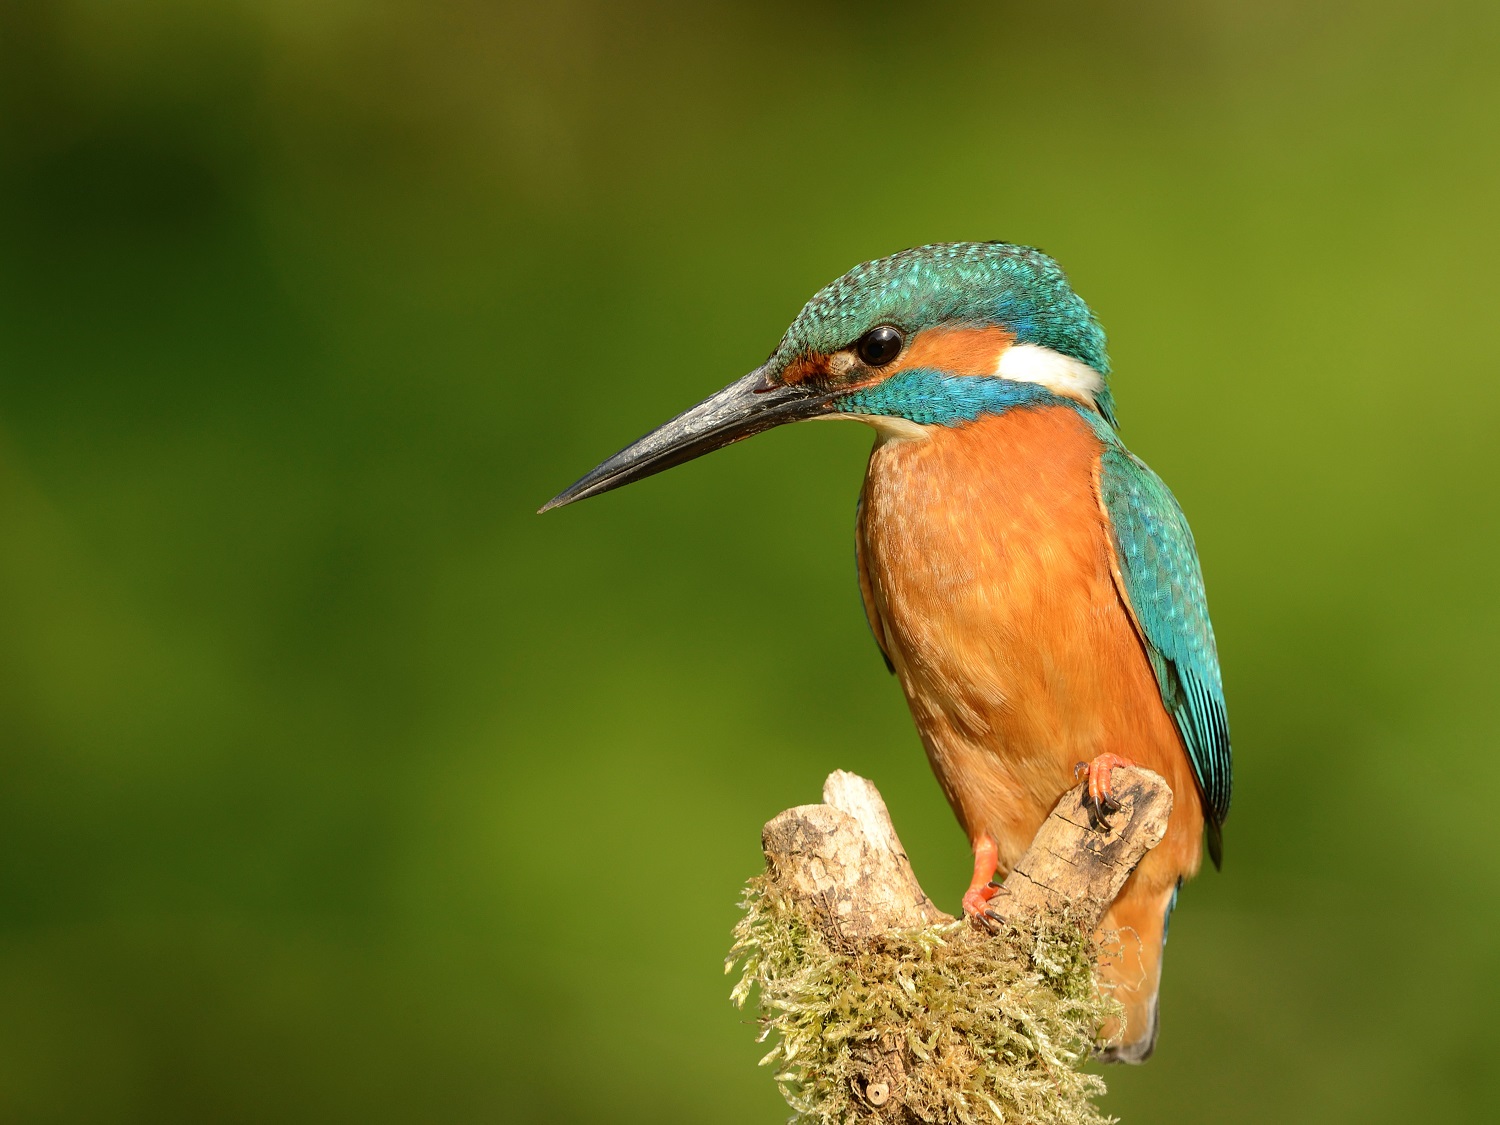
1032	584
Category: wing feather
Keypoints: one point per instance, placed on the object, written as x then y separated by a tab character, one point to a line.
1163	587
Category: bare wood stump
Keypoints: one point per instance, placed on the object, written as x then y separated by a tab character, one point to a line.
844	863
1079	862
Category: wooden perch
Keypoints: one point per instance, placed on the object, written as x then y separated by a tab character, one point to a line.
844	859
843	865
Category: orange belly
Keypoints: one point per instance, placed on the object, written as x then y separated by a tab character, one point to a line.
987	562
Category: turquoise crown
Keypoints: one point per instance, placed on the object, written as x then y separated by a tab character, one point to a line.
1014	287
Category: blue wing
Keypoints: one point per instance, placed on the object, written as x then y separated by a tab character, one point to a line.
1158	564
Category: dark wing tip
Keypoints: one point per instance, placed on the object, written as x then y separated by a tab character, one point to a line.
1215	842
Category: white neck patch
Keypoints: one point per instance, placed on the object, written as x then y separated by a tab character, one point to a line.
1060	374
886	427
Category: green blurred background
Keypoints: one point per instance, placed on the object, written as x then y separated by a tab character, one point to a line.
335	785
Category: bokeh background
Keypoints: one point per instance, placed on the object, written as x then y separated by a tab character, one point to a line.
335	785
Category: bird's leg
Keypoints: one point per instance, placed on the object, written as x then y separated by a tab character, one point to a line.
981	889
1101	789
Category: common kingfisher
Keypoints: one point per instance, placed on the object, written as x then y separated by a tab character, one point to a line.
1031	583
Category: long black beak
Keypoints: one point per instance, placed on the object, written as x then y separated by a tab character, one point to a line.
748	406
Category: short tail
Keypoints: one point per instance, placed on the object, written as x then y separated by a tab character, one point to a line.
1130	969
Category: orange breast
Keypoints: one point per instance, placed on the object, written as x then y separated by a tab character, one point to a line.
986	558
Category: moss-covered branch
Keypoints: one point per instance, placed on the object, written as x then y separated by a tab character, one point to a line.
883	1008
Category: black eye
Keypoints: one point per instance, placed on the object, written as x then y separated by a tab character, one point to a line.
879	346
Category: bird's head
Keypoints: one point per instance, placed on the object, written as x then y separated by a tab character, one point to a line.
934	336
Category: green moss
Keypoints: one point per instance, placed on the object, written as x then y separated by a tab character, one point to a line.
987	1028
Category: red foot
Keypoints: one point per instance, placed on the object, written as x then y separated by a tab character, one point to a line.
1101	789
981	889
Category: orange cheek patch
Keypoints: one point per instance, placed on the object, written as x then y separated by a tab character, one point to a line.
958	351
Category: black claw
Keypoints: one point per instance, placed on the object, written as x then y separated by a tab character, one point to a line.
988	920
1102	807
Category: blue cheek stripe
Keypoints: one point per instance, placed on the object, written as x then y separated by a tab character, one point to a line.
931	398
